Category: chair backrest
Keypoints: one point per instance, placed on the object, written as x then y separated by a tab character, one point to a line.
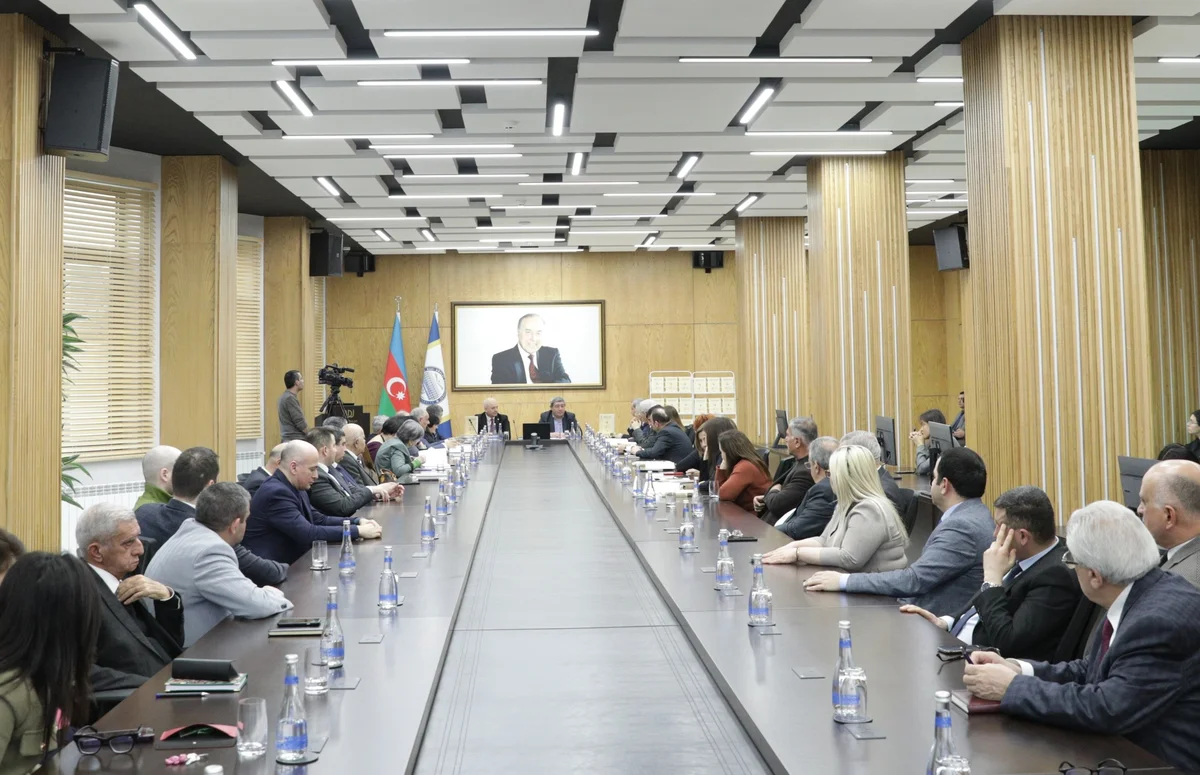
765	454
1079	632
241	478
909	515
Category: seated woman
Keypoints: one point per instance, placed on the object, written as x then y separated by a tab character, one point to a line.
376	440
395	456
926	455
50	617
865	534
1193	429
431	436
742	475
707	456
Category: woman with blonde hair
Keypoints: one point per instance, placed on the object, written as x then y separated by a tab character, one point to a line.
865	534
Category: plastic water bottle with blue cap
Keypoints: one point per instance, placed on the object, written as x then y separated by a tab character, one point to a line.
387	583
291	733
333	640
428	529
724	561
346	563
943	757
849	682
760	596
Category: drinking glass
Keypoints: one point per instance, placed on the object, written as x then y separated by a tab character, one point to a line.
252	727
669	499
316	672
320	555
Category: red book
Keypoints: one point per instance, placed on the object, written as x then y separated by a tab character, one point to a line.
971	705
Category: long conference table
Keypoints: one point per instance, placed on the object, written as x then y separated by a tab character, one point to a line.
555	626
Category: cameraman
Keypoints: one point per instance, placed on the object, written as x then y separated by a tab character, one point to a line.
292	425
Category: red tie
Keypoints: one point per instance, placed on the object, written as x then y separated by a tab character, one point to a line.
533	371
1106	634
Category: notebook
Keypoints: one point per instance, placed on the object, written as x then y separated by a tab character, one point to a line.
191	685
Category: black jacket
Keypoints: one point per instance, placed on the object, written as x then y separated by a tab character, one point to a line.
1026	618
892	490
813	513
160	521
568	420
332	496
795	486
669	444
509	369
255	479
481	421
125	655
784	468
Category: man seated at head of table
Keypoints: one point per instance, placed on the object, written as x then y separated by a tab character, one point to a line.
332	493
865	533
1170	508
1141	675
283	524
786	494
869	442
201	566
490	421
814	512
949	571
1028	596
561	421
670	442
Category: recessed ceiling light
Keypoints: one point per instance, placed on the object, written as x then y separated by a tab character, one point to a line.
535	33
522	240
747	202
162	28
687	166
649	241
835	133
398	219
294	97
451	147
428	235
452	155
383	235
520	228
472	195
939	79
456	82
541	250
327	184
817	153
757	105
576	163
466	176
1179	60
538	207
557	183
367	62
661	193
357	137
777	60
615	231
616	217
947	104
559	119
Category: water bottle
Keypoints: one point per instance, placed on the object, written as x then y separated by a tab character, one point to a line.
639	484
451	491
460	483
333	641
697	504
428	531
346	564
849	681
943	737
760	596
443	509
687	532
626	473
651	499
724	562
387	583
291	734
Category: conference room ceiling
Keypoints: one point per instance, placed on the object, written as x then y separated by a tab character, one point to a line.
404	164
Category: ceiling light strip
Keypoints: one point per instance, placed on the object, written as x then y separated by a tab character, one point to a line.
688	164
358	137
486	82
817	153
557	183
293	96
466	155
576	163
776	60
746	203
447	147
327	184
833	133
160	26
760	102
523	33
368	62
383	235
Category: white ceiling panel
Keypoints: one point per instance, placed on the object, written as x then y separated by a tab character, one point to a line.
210	97
357	187
1167	36
1166	71
317	165
341	96
748	176
892	116
794	186
1097	7
799	42
479	120
1161	124
218	15
918	171
697	18
626	46
653	171
483	48
85	6
465	14
657	106
270	146
231	124
729	162
123	36
370	72
501	68
397	123
325	202
945	61
601	64
433	166
806	117
1151	110
542	162
358	211
1159	90
306	187
462	223
783	202
516	98
883	14
210	72
901	87
733	141
321	44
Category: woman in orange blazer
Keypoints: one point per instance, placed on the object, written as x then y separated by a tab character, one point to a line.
743	475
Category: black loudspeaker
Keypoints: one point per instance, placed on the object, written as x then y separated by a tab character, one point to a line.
951	246
358	262
708	260
325	255
79	113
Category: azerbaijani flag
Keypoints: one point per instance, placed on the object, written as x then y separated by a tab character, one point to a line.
394	397
433	382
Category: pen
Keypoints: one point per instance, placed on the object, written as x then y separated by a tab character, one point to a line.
161	695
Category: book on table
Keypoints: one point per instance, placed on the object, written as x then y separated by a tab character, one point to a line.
971	705
192	685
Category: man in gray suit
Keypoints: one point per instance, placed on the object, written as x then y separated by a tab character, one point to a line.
199	563
1170	508
352	461
1141	676
292	425
950	569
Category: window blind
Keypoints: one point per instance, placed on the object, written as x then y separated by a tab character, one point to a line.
318	390
110	279
249	338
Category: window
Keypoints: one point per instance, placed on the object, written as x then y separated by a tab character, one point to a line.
318	390
109	277
249	338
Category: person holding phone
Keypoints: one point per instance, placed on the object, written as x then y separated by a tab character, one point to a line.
926	455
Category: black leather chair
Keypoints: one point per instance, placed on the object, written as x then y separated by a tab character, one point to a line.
908	515
1080	631
765	454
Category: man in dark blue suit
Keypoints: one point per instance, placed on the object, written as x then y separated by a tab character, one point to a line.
670	443
528	362
561	421
283	524
1141	676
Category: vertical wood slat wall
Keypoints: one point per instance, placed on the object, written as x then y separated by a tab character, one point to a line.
1057	356
313	389
1171	206
249	337
31	272
773	309
858	292
936	336
288	327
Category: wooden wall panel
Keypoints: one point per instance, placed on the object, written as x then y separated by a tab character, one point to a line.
198	309
288	326
858	283
651	315
773	303
31	277
1055	305
936	366
1171	207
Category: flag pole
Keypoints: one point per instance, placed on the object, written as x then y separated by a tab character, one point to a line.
398	304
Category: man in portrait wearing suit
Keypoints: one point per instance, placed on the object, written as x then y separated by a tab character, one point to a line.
1028	595
1170	508
1140	677
490	420
528	362
558	417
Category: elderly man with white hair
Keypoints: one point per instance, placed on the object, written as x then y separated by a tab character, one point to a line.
490	420
156	470
1141	676
890	488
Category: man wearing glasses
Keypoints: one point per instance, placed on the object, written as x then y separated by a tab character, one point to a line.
1141	676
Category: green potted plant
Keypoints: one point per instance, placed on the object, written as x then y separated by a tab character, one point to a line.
71	346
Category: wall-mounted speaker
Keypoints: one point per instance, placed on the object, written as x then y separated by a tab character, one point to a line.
950	244
325	254
708	260
358	262
79	111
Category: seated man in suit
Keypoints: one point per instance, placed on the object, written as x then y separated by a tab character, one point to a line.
196	469
283	524
950	569
1028	595
528	362
141	620
201	565
788	494
1141	675
332	495
561	421
1170	508
809	519
491	421
261	474
156	470
669	443
890	488
355	442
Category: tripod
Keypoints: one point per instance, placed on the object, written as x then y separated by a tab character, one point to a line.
333	406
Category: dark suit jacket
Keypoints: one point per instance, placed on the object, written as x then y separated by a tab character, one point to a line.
255	479
509	369
481	420
1026	618
1146	687
568	420
892	490
361	473
669	444
785	468
813	513
796	485
327	497
125	656
283	524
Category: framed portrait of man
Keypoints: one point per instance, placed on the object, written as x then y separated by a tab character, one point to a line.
527	345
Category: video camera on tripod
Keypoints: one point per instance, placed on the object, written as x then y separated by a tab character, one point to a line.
334	376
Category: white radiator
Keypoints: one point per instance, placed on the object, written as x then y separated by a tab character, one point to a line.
124	493
248	461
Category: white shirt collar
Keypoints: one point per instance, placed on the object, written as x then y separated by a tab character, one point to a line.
324	467
1029	563
1174	550
1117	609
351	455
185	503
264	470
109	580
